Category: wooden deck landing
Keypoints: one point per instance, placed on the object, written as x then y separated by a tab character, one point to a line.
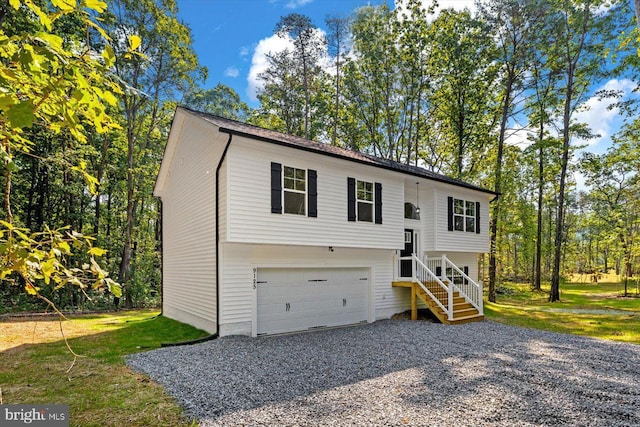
463	312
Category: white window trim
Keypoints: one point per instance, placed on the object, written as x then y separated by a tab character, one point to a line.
290	190
371	202
464	215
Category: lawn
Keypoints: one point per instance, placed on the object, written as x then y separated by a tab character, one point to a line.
596	310
37	367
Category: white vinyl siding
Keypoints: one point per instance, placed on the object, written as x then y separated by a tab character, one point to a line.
222	202
250	218
239	299
456	241
188	197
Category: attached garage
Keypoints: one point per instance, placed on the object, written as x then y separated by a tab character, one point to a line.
297	299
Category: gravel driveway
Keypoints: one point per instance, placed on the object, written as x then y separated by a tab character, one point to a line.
398	372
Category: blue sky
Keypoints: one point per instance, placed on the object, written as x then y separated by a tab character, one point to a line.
231	38
228	32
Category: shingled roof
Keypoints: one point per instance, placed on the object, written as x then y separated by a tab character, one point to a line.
234	127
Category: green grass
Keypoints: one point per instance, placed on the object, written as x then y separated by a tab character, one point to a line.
595	310
99	388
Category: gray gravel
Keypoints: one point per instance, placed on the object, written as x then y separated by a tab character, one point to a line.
398	372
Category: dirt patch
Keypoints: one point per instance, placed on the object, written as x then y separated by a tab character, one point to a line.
423	314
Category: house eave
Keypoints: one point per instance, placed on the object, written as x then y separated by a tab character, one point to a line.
417	174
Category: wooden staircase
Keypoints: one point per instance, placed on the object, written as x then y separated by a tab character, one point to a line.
463	311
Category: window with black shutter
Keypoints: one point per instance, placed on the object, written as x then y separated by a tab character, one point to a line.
463	215
364	201
294	190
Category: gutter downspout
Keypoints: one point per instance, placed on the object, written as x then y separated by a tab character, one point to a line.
217	334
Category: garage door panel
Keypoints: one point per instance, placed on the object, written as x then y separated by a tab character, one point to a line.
298	299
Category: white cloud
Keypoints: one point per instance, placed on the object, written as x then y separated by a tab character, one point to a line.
518	135
232	72
259	63
294	4
244	51
596	114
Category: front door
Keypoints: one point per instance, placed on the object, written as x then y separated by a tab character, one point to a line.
406	266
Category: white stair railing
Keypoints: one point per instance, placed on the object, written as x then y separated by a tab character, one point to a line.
465	285
441	294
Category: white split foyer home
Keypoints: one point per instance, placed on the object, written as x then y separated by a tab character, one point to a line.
266	233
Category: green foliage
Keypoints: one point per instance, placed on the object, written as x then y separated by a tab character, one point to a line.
221	101
58	85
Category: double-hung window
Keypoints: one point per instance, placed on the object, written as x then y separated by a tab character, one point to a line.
364	200
464	215
294	190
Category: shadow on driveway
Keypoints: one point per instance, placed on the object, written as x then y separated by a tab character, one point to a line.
399	372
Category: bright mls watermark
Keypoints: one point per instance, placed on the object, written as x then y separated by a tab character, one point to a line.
34	415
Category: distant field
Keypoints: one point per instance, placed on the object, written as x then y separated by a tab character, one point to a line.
596	310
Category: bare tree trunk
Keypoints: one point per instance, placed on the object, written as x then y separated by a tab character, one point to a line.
497	188
537	277
554	294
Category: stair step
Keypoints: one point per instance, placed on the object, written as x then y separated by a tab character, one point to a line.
467	319
464	313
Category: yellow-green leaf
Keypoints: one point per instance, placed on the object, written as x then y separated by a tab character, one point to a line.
64	5
134	42
96	5
109	56
97	251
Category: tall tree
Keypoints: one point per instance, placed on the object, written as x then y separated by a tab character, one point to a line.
51	86
462	62
582	29
165	67
308	45
338	49
514	23
221	100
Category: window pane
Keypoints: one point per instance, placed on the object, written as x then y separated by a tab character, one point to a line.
458	223
289	172
365	212
294	203
300	184
365	191
471	224
471	209
458	207
289	183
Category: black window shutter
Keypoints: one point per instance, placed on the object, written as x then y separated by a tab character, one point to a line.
276	188
478	217
313	193
351	199
465	270
378	202
438	271
450	213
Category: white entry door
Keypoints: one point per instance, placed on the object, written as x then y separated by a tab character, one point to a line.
297	299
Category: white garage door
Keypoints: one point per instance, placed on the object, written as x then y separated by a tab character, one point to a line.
296	299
